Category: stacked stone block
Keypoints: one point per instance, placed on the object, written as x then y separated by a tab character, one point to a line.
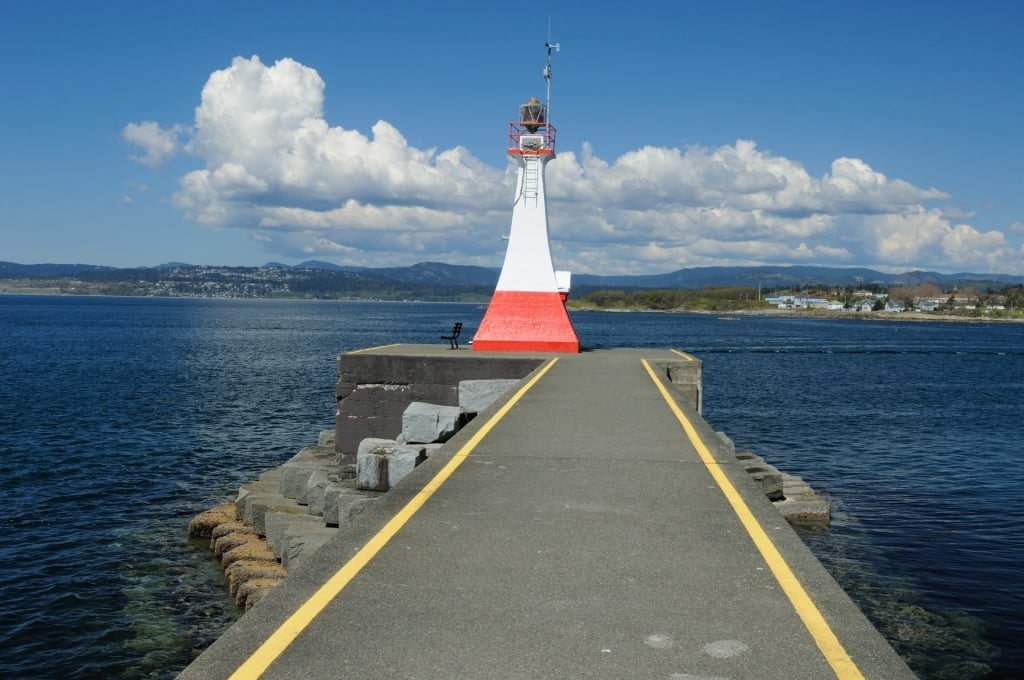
373	391
289	512
790	494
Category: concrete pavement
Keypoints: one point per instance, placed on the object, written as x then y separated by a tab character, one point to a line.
576	531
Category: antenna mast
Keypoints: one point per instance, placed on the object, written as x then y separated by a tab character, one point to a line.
547	69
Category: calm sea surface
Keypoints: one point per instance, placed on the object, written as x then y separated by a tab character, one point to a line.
121	418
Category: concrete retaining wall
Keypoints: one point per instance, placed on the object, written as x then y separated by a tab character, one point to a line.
373	390
688	378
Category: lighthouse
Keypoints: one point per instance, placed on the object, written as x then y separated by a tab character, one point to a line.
527	311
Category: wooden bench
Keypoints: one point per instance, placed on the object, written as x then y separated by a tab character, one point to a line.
453	338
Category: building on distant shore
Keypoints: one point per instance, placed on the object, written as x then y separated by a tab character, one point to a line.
801	302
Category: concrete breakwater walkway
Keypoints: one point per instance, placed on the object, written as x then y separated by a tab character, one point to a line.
590	526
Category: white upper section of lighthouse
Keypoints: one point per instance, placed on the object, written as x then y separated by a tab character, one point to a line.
528	266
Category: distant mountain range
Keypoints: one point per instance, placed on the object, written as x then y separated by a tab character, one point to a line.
437	273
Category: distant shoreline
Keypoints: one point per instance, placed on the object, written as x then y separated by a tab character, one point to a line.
865	316
725	314
737	314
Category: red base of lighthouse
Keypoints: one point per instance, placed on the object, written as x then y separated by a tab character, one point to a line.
526	322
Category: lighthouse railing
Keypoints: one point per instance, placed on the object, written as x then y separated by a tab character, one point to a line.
522	140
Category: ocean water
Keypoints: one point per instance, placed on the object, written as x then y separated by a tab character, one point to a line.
121	418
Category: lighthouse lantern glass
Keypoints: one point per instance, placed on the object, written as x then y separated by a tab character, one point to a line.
532	114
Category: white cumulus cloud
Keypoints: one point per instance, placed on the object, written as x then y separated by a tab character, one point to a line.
272	165
157	143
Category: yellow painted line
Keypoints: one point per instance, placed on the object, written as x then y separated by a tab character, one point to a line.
836	656
682	354
370	349
279	640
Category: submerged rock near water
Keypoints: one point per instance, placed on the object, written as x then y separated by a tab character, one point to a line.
272	525
286	515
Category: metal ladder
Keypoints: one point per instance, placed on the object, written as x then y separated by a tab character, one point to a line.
531	177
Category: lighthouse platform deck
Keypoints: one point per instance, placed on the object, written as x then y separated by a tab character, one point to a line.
590	525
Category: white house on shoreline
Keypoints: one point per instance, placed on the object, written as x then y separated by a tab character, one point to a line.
801	302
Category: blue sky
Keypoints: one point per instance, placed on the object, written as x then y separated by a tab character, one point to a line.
879	134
